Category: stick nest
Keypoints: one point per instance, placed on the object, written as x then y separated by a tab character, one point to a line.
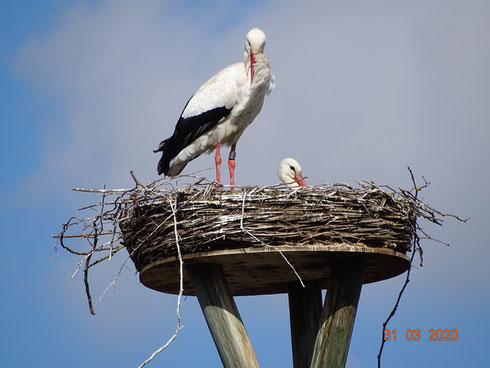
208	219
156	221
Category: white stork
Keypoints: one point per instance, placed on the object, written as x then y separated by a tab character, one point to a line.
289	171
219	111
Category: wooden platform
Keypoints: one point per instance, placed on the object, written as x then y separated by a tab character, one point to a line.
262	270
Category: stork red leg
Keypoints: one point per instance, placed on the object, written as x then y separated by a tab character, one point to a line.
217	160
231	166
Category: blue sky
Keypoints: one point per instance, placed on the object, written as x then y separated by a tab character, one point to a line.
89	88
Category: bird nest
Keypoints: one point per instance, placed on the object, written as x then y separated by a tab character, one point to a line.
157	222
208	219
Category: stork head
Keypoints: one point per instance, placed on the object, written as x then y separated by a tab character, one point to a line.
289	171
254	44
255	41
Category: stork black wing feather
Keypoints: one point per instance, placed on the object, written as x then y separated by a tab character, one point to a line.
186	131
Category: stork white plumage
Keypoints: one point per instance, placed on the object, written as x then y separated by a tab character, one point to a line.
219	112
289	171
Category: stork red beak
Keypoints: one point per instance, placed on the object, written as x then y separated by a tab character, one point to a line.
299	179
252	62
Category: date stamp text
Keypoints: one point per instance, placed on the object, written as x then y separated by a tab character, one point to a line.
417	335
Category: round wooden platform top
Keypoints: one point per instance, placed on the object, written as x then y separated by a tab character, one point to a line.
262	270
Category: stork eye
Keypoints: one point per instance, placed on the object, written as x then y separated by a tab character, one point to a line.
292	168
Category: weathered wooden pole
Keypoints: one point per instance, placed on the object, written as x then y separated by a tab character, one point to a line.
305	308
222	316
339	312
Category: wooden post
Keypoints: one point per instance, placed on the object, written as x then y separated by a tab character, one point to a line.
339	313
305	308
222	316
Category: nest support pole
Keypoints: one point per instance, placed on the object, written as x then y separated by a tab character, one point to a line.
339	313
305	308
222	316
320	338
320	335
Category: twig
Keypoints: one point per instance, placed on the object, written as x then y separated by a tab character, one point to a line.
181	288
137	182
80	264
82	235
415	247
114	281
107	191
102	259
87	285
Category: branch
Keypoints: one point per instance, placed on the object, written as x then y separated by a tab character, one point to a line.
136	181
415	246
181	289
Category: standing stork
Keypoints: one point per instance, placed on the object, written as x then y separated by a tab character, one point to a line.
289	171
220	111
